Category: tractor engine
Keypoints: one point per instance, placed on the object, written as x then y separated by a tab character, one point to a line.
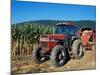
47	42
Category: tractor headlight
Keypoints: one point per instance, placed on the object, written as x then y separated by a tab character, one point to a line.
44	39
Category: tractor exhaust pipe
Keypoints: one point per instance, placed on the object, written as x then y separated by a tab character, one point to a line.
54	30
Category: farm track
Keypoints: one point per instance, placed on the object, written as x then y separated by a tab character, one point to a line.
27	65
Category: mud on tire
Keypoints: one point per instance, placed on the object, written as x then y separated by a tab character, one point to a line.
37	55
77	49
59	56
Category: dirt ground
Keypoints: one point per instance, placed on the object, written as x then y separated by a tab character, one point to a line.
27	65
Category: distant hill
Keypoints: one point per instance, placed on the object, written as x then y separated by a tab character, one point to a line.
79	24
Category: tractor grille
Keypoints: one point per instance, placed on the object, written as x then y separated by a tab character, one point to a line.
44	44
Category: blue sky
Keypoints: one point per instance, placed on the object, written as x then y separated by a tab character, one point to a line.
28	11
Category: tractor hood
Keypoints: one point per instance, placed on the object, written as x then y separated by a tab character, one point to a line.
48	41
52	37
56	36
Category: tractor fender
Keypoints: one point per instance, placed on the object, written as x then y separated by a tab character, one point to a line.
74	38
60	42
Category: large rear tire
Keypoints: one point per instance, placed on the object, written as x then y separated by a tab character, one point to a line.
77	49
59	56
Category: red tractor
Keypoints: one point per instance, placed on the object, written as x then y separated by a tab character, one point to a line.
63	44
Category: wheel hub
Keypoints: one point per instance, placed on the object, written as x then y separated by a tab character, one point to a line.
61	57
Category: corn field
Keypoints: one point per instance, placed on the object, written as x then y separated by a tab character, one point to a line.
26	36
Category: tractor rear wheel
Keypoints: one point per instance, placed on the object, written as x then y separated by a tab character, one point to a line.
59	56
37	56
77	49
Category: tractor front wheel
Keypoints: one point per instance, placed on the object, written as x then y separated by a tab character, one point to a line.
59	56
37	56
